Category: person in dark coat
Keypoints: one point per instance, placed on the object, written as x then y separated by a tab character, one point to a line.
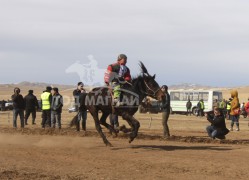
189	106
165	106
56	108
82	112
18	107
217	129
31	104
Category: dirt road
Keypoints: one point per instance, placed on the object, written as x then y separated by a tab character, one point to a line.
30	156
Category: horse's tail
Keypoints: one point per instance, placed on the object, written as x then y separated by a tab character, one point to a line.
74	121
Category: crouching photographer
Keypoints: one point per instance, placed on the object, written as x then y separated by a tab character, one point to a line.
217	129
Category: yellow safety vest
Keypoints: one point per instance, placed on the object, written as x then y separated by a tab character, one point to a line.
202	105
228	106
45	101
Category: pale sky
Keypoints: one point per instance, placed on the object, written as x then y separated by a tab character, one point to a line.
194	41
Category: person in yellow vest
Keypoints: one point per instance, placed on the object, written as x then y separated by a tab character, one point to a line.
46	99
229	108
200	107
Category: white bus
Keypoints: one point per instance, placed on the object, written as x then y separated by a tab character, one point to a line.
179	99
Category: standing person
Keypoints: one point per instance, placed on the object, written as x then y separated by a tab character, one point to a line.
165	106
46	99
18	107
218	126
247	107
229	108
3	105
31	104
56	108
82	113
200	108
122	72
189	106
234	105
222	106
216	103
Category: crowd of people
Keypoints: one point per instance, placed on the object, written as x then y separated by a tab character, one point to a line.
52	103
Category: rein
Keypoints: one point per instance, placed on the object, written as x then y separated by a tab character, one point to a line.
154	92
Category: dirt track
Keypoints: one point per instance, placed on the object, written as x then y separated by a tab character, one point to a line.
46	154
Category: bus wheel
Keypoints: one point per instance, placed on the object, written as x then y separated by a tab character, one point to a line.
194	111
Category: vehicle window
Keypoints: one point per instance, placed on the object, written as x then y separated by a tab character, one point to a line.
203	95
175	96
195	96
217	95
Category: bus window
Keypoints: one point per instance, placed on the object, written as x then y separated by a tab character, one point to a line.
175	96
217	95
195	96
203	95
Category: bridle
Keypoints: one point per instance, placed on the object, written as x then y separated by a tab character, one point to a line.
154	92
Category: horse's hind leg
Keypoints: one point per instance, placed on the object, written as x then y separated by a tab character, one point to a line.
98	127
134	125
108	126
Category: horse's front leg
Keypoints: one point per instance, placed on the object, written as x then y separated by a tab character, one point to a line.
134	125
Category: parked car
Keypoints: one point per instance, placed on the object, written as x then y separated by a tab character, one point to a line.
6	105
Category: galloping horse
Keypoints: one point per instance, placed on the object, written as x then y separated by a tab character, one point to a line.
100	99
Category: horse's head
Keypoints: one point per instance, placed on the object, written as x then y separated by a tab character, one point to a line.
151	87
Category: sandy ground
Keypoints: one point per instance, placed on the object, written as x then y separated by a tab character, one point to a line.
34	153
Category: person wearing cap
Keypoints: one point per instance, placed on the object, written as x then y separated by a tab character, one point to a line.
82	113
118	73
18	107
31	104
46	99
165	106
56	108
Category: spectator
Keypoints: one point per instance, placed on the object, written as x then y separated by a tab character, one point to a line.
189	106
234	105
247	107
3	105
56	108
78	94
18	107
222	106
46	99
31	104
200	108
165	105
228	104
216	103
217	129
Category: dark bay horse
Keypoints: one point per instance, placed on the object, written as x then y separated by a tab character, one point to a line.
100	99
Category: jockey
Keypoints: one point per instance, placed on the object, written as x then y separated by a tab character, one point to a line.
115	74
